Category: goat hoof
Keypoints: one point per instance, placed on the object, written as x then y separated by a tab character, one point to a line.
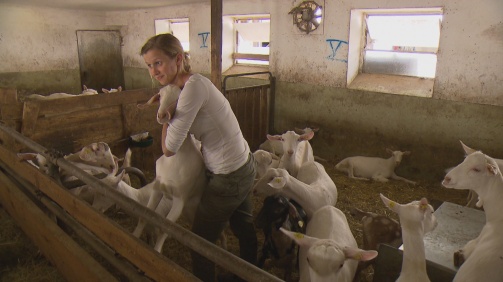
459	258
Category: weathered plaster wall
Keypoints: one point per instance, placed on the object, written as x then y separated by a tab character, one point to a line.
311	75
38	47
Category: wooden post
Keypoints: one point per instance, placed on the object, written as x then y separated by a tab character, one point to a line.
216	43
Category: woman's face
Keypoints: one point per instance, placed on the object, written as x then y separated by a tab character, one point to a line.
160	66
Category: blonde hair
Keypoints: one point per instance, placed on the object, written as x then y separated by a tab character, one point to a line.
169	45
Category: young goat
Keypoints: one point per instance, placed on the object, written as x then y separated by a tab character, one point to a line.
181	177
95	157
377	169
328	251
416	219
473	198
296	148
86	91
263	161
112	90
481	259
278	212
377	229
312	189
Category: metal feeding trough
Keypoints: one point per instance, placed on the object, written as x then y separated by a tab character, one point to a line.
141	140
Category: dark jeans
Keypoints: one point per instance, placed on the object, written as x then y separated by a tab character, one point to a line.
227	198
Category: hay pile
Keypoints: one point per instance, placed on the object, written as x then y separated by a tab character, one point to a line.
352	193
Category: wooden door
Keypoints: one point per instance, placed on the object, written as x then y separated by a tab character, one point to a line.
100	59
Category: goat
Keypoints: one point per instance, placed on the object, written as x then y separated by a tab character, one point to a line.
377	229
86	91
377	169
416	219
481	259
296	148
473	198
112	90
328	251
95	157
277	211
263	161
312	189
181	177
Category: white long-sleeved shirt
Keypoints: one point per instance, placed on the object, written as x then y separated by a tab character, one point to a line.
203	110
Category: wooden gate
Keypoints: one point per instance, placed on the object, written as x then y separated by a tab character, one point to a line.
253	107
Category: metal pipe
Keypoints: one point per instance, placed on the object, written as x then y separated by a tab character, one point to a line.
211	251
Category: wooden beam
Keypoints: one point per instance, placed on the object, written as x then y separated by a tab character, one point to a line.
216	43
152	263
258	57
72	261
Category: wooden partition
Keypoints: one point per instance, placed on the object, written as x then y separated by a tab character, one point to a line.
253	107
68	124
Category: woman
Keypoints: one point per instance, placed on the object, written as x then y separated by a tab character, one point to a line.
203	111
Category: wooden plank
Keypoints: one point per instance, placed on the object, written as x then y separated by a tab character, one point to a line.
71	260
216	43
8	96
29	119
155	265
129	115
258	57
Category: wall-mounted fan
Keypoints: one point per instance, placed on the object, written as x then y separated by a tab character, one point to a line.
307	16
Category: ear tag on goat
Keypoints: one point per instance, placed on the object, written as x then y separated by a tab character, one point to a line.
298	235
391	204
423	207
301	223
277	182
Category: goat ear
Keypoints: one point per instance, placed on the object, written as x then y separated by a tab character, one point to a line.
359	254
278	182
492	168
119	88
307	136
152	100
104	90
406	153
299	238
389	203
467	149
274	137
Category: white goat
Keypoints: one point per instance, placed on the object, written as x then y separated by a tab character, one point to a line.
473	198
312	189
378	169
181	177
416	219
328	251
297	150
481	259
112	90
86	91
263	161
95	157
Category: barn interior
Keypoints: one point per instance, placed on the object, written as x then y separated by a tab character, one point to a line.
327	75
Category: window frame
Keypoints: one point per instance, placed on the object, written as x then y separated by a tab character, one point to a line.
376	82
236	56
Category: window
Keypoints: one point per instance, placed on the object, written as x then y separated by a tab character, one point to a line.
394	50
252	39
402	44
177	27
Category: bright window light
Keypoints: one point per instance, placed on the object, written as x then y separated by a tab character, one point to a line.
253	36
178	27
403	44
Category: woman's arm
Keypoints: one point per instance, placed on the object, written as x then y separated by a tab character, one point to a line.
165	151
